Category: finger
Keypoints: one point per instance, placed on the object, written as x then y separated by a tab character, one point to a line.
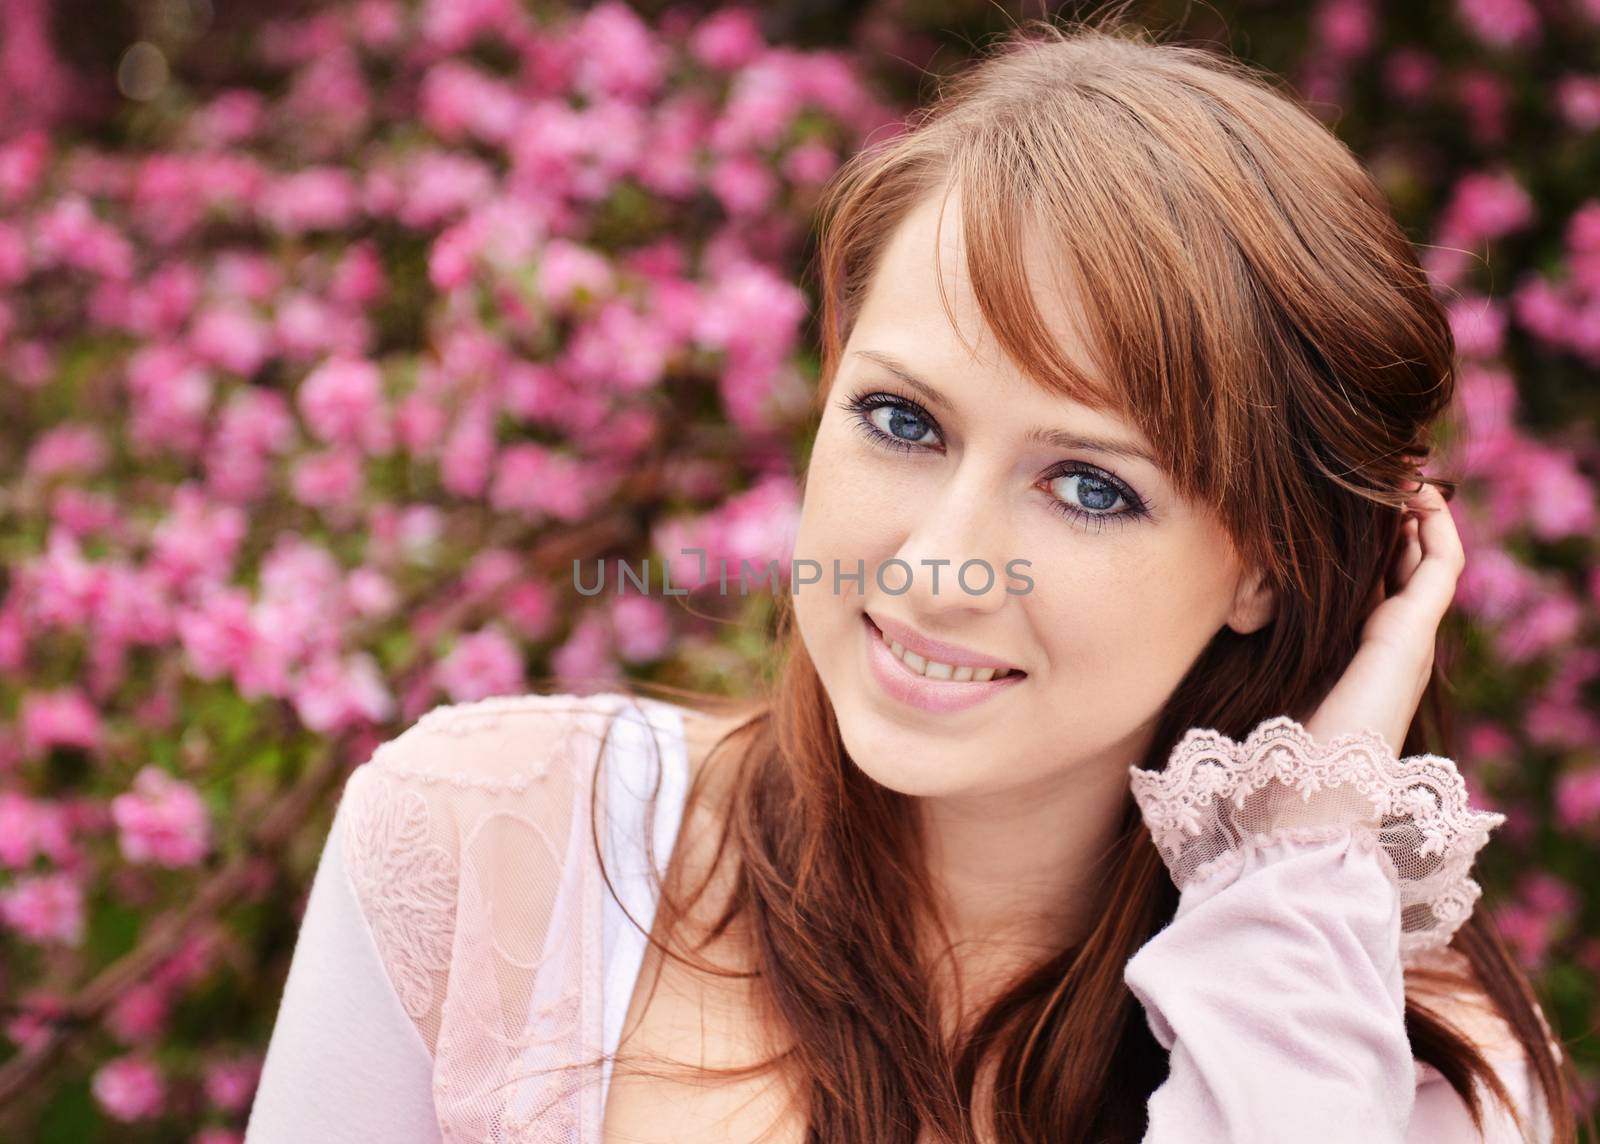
1432	584
1408	555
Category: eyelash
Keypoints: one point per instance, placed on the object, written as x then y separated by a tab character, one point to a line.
861	404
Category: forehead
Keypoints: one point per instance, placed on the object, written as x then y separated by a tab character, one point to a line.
903	314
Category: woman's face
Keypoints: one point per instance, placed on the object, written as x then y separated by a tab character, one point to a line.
1128	581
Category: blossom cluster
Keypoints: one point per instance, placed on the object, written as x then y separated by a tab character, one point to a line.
313	398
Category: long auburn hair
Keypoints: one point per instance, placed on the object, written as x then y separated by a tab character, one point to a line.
1269	328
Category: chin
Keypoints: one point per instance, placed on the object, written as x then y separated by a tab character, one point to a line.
901	762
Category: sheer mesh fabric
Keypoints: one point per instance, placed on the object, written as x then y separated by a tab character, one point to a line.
469	846
1218	798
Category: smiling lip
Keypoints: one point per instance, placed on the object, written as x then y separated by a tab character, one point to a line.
937	650
899	682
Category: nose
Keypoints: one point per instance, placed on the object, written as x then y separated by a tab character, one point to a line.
957	550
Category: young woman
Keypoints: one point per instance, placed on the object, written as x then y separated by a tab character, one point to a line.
1089	802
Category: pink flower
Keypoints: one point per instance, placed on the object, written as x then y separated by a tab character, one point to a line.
728	39
254	425
140	1014
1486	741
481	664
491	569
1479	325
1410	73
333	694
230	1084
533	479
129	1089
45	908
1484	97
1541	307
530	609
1552	621
76	450
1578	96
18	830
457	100
452	260
449	26
809	164
38	1013
230	118
468	456
161	820
166	300
248	275
764	101
418	531
60	718
171	398
642	627
442	185
1500	23
215	633
342	402
565	268
744	184
1578	797
328	480
617	53
371	593
22	165
1486	206
69	234
586	659
419	423
1344	27
14	256
321	198
618	347
197	541
1557	721
358	279
233	338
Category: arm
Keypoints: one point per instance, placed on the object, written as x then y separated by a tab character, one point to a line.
1308	875
345	1063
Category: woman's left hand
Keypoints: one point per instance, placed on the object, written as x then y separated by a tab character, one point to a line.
1382	688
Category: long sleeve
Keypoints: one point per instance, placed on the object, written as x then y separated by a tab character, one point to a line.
1309	876
344	1063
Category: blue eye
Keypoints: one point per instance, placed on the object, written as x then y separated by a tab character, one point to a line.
900	424
895	424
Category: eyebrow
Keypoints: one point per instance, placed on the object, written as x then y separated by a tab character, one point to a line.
1055	438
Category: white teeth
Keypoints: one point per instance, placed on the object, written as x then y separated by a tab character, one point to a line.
933	669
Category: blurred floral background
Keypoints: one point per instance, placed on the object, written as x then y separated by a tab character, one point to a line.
332	334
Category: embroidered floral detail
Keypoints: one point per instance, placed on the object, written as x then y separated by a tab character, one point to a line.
407	887
1217	799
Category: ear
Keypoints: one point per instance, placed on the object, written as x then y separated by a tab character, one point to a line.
1254	603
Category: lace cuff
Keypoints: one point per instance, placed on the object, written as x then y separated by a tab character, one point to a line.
1218	799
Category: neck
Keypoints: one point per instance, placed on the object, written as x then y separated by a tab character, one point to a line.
1017	872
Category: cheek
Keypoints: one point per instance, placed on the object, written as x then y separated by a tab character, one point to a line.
847	501
1132	610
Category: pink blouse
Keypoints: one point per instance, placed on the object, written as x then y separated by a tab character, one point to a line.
459	944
